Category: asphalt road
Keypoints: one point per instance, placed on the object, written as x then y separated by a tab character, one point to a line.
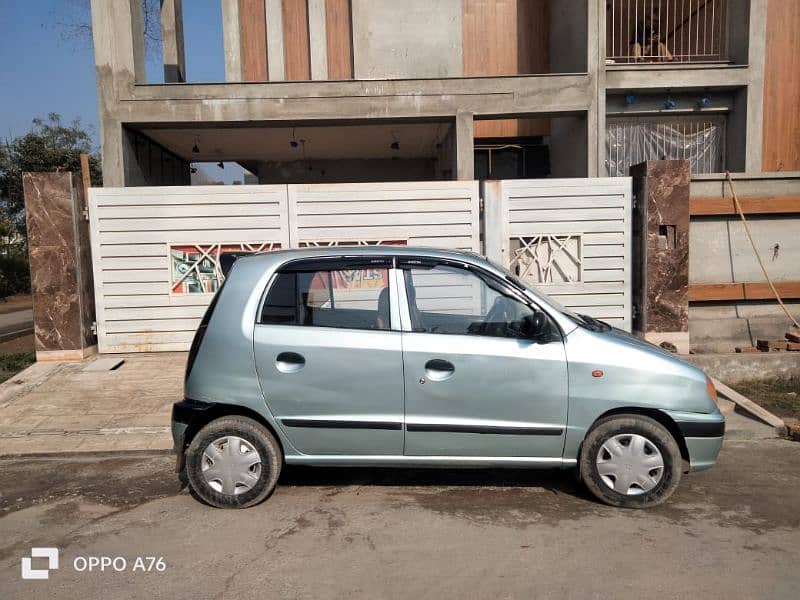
731	532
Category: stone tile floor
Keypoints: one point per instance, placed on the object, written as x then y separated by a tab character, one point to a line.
61	407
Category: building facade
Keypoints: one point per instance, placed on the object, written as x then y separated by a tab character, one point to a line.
380	91
351	90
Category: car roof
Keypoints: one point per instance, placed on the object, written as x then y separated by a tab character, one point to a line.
282	256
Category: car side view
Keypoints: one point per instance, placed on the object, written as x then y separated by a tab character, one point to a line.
400	356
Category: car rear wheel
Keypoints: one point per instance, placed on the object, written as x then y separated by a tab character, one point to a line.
630	461
233	462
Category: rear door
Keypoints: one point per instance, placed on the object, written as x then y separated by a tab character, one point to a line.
329	359
475	385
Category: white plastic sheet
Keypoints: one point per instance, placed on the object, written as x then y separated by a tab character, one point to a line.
635	141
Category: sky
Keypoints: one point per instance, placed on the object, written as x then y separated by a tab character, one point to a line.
42	72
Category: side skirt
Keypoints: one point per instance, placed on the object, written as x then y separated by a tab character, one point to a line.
430	461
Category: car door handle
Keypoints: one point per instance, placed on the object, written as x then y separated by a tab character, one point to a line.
438	369
289	362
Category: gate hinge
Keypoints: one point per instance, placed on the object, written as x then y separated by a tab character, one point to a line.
94	328
85	212
480	205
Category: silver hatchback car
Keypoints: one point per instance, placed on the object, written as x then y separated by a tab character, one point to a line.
399	356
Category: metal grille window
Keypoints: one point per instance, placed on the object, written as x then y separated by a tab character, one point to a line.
543	259
646	31
196	268
634	140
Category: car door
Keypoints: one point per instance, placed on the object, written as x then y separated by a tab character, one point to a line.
329	359
476	384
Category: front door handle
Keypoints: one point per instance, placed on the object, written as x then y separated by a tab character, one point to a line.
289	362
438	369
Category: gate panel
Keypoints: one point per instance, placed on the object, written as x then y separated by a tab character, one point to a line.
570	238
444	214
154	255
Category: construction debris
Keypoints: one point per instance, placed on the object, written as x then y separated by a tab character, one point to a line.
745	349
749	406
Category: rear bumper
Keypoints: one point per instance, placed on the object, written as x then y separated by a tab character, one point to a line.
703	434
186	414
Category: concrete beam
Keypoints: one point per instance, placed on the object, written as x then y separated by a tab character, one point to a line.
681	77
232	40
511	97
465	148
172	41
317	39
276	60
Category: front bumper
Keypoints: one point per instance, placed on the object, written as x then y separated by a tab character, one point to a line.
703	434
187	415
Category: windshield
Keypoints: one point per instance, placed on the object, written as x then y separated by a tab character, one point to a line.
581	320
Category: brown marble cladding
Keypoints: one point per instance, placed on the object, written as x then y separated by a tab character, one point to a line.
61	317
667	246
86	274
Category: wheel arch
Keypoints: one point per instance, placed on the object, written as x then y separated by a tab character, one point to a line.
659	416
218	410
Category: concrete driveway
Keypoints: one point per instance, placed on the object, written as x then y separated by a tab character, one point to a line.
731	532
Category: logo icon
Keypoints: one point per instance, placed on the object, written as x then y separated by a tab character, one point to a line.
51	554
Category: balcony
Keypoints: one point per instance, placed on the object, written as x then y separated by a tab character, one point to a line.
670	31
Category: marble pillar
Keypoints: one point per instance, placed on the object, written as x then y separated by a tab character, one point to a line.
61	266
661	252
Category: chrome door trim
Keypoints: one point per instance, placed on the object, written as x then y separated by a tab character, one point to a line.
346	460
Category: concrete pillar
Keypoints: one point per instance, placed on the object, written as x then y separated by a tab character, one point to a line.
172	41
465	146
232	40
317	39
661	252
62	286
276	61
596	116
755	88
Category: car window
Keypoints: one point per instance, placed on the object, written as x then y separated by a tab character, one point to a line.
342	298
452	300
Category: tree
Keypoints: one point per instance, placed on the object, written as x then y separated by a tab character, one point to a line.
74	20
49	146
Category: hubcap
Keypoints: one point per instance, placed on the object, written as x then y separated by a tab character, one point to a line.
630	464
231	465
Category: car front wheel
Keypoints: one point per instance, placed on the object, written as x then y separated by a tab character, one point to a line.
630	461
233	462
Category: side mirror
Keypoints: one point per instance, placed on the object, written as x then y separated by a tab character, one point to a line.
535	324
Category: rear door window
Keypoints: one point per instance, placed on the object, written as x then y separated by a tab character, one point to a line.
356	298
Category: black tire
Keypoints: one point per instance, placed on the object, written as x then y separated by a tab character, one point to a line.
608	427
259	437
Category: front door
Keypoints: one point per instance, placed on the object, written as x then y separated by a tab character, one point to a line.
329	358
476	385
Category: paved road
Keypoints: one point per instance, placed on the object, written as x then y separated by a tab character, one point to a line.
19	320
731	532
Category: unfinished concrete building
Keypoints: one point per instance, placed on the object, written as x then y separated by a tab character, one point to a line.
326	91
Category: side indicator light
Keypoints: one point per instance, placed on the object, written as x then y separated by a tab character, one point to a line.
597	373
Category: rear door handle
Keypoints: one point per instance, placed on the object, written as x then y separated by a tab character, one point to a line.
289	362
438	369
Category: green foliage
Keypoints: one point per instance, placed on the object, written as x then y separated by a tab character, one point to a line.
11	364
15	275
50	145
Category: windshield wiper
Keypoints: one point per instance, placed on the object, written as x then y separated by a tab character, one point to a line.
595	324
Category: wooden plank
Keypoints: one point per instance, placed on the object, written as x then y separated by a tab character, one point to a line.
506	38
781	150
747	404
753	290
295	40
338	28
761	205
253	24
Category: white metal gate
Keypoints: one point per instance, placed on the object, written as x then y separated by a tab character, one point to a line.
570	238
155	249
